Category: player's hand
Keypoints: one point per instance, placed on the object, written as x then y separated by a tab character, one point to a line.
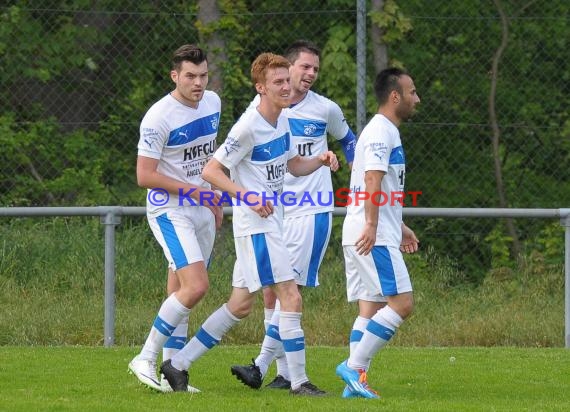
366	241
329	159
219	216
263	207
410	242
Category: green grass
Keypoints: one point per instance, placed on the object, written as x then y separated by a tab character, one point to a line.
412	379
52	287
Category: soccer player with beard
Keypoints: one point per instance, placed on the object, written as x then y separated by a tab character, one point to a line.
308	213
177	138
257	152
375	269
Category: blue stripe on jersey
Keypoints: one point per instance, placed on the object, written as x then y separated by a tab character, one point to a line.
356	335
175	342
273	332
320	235
262	259
172	242
379	330
307	128
206	339
397	156
163	327
385	269
194	130
271	150
294	345
348	144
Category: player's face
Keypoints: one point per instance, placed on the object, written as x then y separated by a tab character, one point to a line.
191	82
409	99
304	72
277	87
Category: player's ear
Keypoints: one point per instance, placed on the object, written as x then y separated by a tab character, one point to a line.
174	75
260	88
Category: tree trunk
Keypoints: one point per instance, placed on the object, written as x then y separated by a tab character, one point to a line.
379	49
208	13
511	228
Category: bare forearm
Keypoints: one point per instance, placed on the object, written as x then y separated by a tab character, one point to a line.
303	166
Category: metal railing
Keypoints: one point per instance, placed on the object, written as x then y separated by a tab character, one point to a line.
111	216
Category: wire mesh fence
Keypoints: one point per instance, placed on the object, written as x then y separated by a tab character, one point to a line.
493	129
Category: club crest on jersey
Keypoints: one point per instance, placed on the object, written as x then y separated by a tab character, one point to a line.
309	129
214	123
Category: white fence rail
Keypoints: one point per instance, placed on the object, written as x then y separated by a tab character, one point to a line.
111	216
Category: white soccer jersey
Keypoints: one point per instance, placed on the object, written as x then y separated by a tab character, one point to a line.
378	148
310	121
256	153
183	139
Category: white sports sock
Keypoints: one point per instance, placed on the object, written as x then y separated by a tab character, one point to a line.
380	329
208	336
268	314
177	341
293	339
271	343
169	315
358	328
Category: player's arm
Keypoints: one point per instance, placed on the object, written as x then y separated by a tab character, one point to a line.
348	144
149	177
303	166
410	242
372	185
340	130
215	173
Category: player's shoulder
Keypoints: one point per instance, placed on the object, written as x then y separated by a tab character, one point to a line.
316	98
157	111
246	123
212	97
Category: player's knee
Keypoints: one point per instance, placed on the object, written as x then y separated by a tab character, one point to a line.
292	301
407	308
196	290
240	309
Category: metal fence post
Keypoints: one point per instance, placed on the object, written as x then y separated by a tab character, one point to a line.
110	219
360	65
565	221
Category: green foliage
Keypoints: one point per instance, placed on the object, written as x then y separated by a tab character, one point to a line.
77	77
500	247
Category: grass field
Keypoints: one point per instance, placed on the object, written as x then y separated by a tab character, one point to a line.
72	378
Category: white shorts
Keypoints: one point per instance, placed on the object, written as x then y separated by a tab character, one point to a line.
379	274
261	260
186	235
307	238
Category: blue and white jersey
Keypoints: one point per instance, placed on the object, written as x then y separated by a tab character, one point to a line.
182	138
256	153
378	148
311	121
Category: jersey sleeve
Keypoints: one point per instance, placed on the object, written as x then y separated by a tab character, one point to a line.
340	130
377	151
153	135
236	146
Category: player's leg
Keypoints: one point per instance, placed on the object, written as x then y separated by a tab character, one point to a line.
207	337
302	234
382	273
177	236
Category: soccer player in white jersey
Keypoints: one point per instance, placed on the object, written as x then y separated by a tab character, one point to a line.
308	212
177	138
374	234
257	152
